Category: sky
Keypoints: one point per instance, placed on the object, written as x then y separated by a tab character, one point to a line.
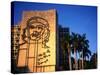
79	19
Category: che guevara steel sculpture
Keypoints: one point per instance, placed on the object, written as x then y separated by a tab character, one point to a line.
37	32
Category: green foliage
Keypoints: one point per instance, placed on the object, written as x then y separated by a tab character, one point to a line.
77	44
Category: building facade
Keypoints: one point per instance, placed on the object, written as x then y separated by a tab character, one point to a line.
36	41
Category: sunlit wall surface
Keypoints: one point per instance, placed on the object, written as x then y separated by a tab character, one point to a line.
37	49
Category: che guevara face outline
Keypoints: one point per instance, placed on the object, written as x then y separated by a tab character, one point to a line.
36	30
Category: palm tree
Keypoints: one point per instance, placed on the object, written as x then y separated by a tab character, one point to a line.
75	47
83	48
86	54
73	62
81	44
66	45
80	41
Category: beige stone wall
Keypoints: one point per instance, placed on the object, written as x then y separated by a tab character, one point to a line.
31	50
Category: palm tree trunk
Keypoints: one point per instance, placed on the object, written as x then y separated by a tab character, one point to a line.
75	55
82	61
69	57
79	64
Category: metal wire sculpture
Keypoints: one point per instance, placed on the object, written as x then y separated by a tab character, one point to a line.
37	31
41	31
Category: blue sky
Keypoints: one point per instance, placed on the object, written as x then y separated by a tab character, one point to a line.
80	19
